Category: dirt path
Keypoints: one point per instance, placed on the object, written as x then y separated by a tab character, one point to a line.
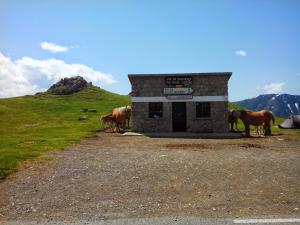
114	176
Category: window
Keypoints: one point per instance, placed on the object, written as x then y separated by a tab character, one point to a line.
202	109
155	109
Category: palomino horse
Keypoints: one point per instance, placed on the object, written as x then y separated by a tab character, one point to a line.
107	119
121	115
262	117
233	119
128	116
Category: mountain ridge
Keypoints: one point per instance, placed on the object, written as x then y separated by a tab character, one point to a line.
280	104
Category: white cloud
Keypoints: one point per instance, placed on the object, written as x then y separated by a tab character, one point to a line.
54	48
273	88
241	53
20	77
12	81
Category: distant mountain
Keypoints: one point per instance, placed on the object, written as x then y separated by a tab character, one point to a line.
280	105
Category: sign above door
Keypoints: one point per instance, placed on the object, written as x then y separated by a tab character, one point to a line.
179	81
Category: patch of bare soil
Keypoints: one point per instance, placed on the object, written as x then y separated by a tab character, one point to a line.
188	146
197	146
114	176
250	145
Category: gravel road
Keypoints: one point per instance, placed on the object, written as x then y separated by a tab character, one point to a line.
111	177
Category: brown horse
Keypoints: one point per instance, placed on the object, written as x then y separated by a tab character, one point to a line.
107	119
262	117
121	115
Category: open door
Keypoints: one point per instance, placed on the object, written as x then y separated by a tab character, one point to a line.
179	116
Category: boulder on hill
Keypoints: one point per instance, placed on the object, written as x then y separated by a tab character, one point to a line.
68	86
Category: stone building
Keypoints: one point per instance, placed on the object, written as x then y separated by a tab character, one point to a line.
185	102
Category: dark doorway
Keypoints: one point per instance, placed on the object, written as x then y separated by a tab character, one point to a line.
179	116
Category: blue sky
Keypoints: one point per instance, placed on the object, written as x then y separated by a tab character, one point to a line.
42	41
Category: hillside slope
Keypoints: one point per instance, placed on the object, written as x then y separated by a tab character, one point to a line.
31	125
281	105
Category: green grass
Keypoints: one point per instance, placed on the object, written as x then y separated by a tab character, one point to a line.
233	106
32	125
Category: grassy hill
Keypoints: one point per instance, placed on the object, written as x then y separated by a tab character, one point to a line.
233	106
32	125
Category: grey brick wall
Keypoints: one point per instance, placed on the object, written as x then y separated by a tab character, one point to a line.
142	123
202	85
216	123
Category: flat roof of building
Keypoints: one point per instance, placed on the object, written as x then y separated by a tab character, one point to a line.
181	74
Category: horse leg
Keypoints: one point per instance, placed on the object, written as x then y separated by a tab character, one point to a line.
266	129
118	127
247	129
256	129
111	126
123	125
101	125
236	127
269	129
115	126
266	132
128	123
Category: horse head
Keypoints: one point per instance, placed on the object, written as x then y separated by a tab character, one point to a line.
128	109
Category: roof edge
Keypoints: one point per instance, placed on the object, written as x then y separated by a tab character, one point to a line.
181	74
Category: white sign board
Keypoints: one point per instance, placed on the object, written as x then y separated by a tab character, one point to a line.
178	91
179	97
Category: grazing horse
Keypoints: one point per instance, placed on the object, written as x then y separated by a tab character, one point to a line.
262	117
107	119
121	115
233	119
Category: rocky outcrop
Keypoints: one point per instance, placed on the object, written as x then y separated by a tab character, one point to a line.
68	86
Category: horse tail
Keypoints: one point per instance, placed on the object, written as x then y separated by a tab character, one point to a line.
273	118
